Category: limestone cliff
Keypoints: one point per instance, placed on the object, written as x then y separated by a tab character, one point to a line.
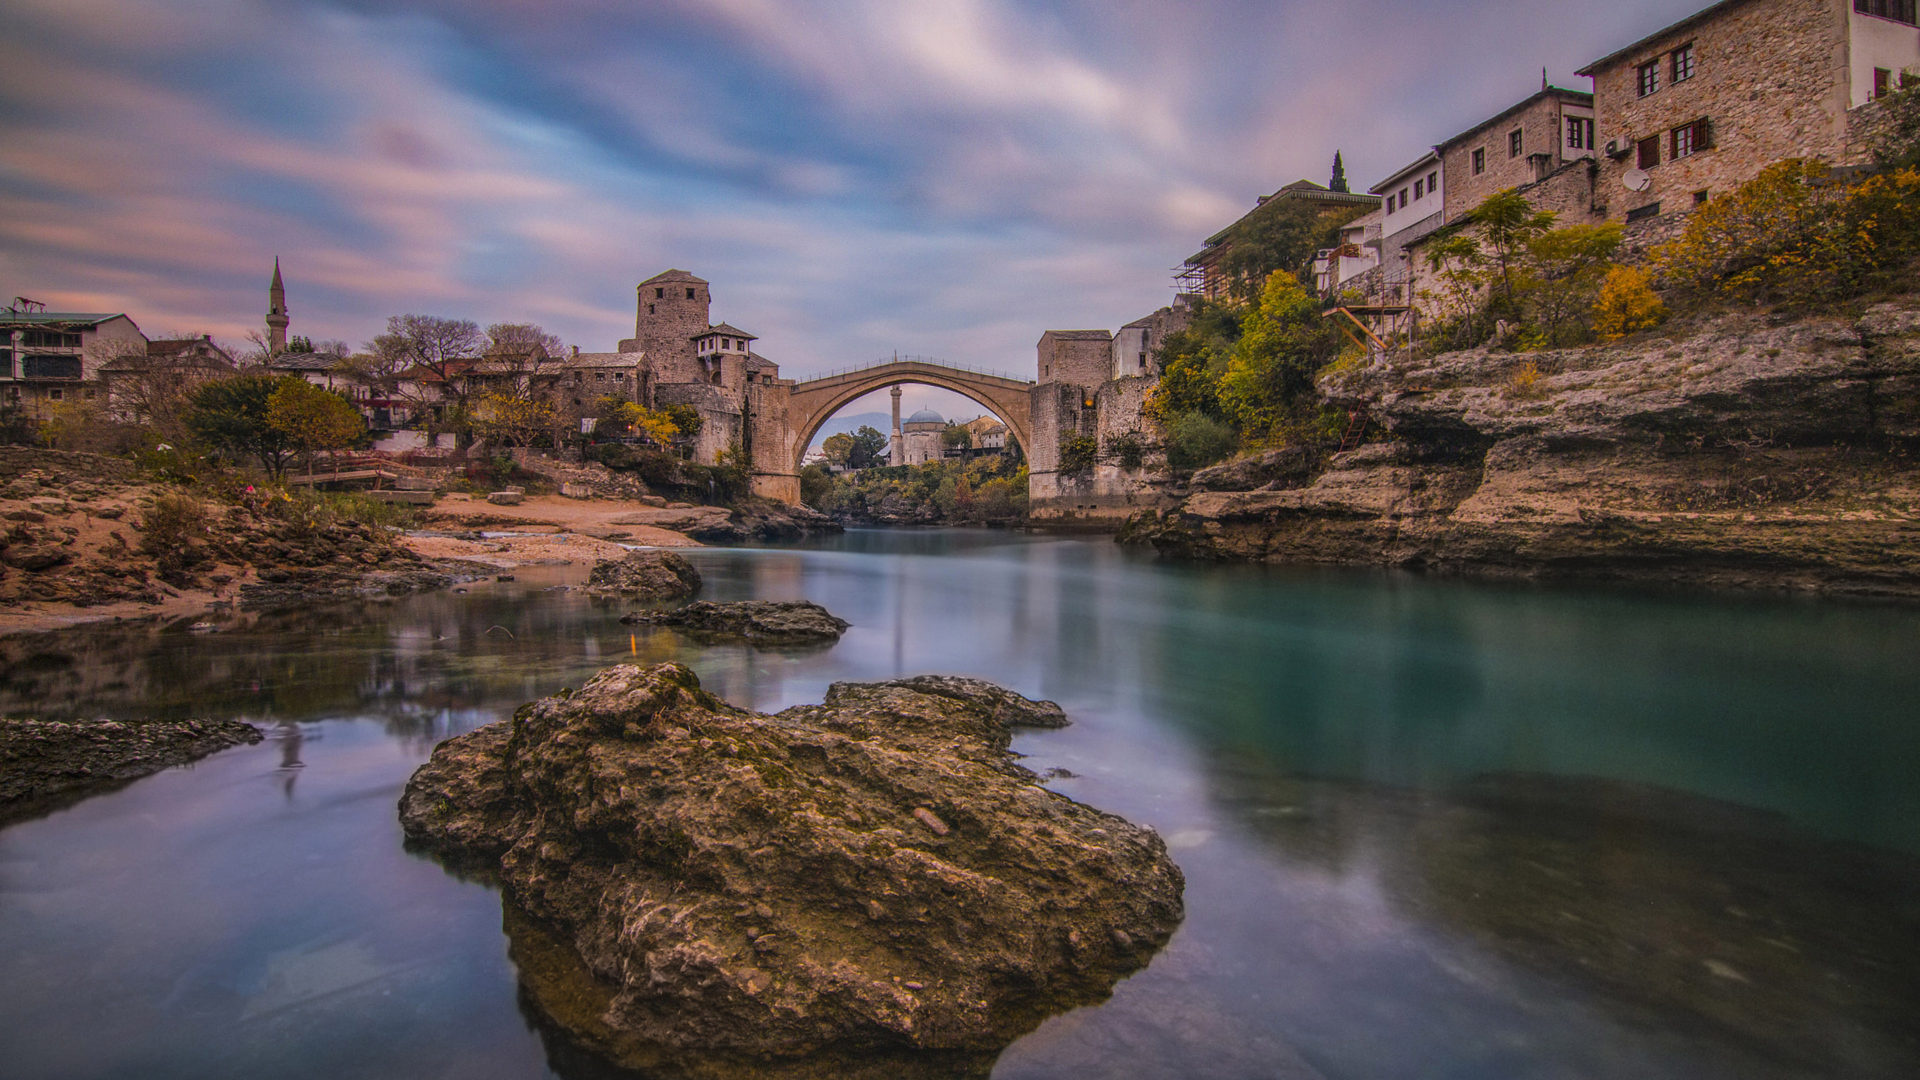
1750	452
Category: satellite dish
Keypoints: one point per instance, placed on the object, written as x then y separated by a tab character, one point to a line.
1636	180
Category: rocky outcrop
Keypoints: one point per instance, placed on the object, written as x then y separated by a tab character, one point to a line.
649	575
764	519
45	764
765	622
1744	454
84	530
870	886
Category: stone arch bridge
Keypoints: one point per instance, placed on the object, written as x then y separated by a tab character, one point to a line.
788	416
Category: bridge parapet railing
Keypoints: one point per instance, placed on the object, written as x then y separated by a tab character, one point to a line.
931	361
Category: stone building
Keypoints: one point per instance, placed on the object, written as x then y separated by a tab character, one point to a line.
920	438
1080	405
1521	145
1700	107
51	357
1136	342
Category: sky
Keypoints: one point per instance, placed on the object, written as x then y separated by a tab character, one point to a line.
855	178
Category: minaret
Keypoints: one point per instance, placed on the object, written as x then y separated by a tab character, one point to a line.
895	452
276	313
1339	182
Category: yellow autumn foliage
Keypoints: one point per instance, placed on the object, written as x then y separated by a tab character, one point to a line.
1627	304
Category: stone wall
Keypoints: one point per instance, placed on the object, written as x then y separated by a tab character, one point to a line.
1567	192
1770	80
1109	493
720	425
1077	357
1541	121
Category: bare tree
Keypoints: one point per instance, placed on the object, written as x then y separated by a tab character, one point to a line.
426	358
522	337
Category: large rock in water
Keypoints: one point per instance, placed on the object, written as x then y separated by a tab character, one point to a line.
766	622
861	887
650	575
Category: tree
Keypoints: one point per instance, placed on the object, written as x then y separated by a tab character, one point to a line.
619	416
1281	234
869	449
511	419
1270	375
424	358
233	415
1191	362
956	437
838	448
1565	267
522	337
313	419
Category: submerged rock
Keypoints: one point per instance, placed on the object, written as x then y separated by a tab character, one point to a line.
771	622
692	886
651	575
45	764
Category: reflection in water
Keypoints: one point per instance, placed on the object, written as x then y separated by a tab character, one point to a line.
1715	879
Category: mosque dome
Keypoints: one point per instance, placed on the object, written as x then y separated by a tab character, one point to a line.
926	416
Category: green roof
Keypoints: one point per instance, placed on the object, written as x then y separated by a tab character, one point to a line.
55	318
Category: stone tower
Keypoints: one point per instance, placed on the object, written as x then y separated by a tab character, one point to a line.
672	308
276	313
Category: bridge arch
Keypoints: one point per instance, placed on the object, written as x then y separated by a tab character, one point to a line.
814	402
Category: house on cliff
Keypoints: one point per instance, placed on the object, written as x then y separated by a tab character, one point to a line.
1700	107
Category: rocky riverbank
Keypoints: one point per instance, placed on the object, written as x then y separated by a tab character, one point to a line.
1743	452
46	764
866	887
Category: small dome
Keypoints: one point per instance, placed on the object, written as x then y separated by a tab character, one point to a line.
926	416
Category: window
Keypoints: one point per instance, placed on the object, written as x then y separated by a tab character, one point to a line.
1681	67
51	367
1642	213
660	293
56	394
1513	143
1686	140
1433	181
1479	161
1403	198
1648	152
1897	10
649	309
1882	82
1649	77
689	292
1699	198
1419	187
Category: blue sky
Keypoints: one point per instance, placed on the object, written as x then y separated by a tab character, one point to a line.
855	177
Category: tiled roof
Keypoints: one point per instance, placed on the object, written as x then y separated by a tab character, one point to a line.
756	362
723	328
674	275
1698	16
303	361
1080	335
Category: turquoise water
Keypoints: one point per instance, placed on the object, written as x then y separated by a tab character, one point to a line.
1430	828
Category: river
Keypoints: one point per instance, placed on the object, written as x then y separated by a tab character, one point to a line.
1430	828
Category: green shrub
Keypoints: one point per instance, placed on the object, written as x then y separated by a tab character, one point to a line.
174	531
1196	439
1077	455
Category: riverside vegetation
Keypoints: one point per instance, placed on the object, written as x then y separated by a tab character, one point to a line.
1739	409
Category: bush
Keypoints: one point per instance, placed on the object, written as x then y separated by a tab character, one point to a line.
1127	450
174	531
1196	439
1077	455
1627	304
1794	234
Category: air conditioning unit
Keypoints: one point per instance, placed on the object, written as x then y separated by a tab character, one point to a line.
1618	149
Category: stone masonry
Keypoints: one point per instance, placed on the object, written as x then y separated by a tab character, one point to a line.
1769	77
